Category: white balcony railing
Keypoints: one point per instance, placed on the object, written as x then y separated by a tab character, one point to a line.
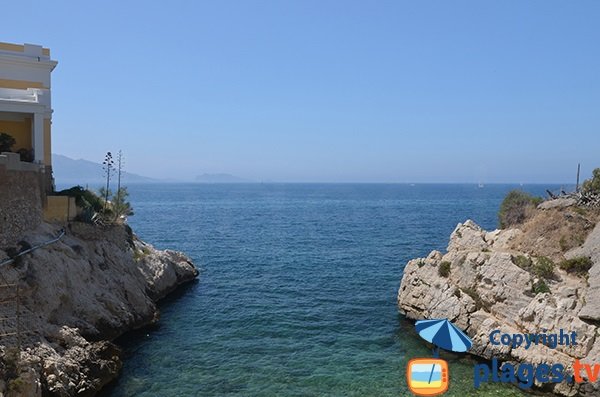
30	95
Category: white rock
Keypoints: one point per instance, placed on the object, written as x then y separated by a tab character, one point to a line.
468	236
557	203
486	291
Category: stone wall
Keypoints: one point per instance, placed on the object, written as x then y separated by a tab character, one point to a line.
20	199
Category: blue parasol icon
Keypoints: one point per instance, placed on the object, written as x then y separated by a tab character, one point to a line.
443	334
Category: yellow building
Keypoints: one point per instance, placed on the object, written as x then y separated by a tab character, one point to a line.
25	101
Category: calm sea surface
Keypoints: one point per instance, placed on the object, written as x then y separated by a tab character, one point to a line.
297	294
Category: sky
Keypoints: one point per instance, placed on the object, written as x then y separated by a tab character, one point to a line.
322	90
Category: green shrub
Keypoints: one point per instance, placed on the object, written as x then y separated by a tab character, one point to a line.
592	185
444	269
6	142
524	262
120	206
516	208
540	287
84	198
543	267
580	265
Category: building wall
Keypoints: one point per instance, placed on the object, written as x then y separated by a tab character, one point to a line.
20	130
12	47
47	142
23	48
20	84
20	204
25	77
61	209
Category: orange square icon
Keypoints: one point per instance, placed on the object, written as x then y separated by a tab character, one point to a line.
427	376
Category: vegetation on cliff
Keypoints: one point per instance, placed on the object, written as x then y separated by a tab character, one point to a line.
592	185
93	208
519	206
541	270
104	207
516	207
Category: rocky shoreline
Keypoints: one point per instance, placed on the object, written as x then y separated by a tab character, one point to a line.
491	280
76	296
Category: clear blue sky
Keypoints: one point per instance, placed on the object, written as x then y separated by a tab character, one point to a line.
374	91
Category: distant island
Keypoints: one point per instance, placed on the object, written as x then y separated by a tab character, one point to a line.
68	171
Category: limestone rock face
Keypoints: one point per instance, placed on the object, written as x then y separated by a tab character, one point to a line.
467	235
72	365
591	249
561	202
485	290
80	293
164	270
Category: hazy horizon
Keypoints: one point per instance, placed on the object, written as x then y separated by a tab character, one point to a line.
313	91
100	179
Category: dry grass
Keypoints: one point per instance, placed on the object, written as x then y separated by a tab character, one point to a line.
552	232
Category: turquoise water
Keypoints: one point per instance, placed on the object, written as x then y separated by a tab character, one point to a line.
297	295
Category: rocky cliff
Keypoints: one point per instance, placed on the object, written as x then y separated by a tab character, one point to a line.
77	295
518	281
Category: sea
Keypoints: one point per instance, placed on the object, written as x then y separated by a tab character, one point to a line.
297	290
